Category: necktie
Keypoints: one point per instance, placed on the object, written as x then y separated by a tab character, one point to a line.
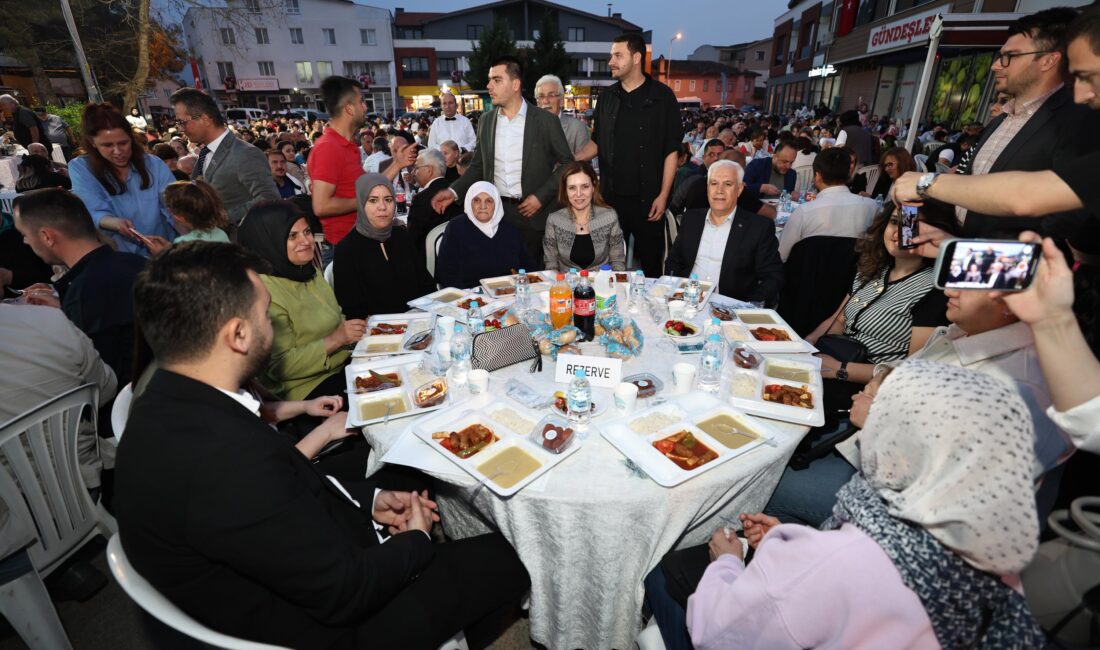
449	119
203	150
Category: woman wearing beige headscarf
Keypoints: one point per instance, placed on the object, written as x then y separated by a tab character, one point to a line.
374	268
915	552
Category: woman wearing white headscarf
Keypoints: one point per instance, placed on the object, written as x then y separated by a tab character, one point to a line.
482	245
914	554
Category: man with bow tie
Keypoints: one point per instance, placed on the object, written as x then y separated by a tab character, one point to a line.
451	126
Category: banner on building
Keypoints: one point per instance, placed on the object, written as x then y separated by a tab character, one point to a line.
906	32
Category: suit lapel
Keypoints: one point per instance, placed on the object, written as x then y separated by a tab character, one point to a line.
489	138
1034	126
220	155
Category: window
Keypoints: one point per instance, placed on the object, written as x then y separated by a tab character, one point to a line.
296	36
324	69
759	55
253	6
446	66
292	7
261	36
267	68
600	66
328	36
415	67
691	86
368	37
677	85
575	34
411	33
474	32
225	69
356	68
748	86
305	72
706	85
228	37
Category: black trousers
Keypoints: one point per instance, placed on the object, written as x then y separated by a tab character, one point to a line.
531	229
649	236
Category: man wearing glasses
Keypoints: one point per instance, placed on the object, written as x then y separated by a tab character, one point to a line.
1040	124
550	96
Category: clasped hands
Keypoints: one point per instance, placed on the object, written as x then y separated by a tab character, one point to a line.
403	511
755	527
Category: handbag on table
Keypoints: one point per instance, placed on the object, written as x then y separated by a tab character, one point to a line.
504	347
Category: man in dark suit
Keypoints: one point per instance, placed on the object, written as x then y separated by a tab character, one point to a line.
1040	127
238	171
770	176
430	172
234	525
736	247
997	278
526	167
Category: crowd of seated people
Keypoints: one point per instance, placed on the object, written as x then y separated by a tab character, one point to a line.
212	242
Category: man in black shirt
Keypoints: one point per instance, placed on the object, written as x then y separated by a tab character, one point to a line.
26	126
97	292
637	136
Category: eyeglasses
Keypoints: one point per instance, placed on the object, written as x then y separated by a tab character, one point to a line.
548	96
1005	58
185	122
1001	100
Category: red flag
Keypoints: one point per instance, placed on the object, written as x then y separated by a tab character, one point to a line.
847	17
195	73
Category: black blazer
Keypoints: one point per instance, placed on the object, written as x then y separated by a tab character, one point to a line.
751	267
422	217
232	524
1059	131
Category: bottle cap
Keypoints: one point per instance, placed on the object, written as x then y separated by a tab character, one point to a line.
523	271
584	274
579	373
716	321
458	327
605	267
639	273
560	277
694	276
572	269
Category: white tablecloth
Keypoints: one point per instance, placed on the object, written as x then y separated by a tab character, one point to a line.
9	171
592	531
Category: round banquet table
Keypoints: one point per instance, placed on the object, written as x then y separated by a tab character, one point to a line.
590	529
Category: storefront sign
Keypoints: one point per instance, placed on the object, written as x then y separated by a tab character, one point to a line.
905	32
602	372
257	84
823	71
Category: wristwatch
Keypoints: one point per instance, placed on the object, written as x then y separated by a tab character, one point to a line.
924	183
842	371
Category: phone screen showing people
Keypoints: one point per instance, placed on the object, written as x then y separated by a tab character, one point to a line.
986	264
908	227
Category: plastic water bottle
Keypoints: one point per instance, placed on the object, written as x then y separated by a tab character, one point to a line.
474	318
605	286
710	364
579	402
691	296
572	278
637	291
784	198
459	371
523	290
714	326
879	202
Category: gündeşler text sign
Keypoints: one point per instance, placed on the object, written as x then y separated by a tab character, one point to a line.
905	32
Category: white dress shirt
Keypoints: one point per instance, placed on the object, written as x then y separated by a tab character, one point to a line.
508	153
836	212
211	148
1082	423
370	165
712	246
459	129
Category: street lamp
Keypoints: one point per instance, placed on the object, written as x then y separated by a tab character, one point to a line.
668	68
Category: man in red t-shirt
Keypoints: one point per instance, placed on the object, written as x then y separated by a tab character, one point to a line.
334	161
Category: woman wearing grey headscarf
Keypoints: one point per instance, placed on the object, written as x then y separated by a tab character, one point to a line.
374	268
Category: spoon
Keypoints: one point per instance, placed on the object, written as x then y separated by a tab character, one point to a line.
504	469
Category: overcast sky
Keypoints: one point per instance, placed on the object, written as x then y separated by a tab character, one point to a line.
702	22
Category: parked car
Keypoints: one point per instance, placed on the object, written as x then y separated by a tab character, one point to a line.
244	116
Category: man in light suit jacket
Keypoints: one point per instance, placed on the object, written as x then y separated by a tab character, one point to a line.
527	168
234	524
734	247
238	171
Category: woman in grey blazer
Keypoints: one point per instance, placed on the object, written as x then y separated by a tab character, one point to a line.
585	234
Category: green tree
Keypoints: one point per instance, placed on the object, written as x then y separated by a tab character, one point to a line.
547	55
494	42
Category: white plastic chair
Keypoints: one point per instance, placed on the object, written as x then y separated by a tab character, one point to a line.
7	198
804	180
329	275
672	226
43	491
431	246
629	245
872	172
921	161
120	410
942	168
650	637
153	602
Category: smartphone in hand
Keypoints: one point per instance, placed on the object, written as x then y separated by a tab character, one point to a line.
908	227
988	264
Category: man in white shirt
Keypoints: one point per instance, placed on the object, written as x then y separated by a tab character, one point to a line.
836	212
370	165
451	126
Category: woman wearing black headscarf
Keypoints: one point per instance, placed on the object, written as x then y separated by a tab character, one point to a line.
375	269
311	335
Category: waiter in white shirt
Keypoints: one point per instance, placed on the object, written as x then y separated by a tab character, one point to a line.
451	126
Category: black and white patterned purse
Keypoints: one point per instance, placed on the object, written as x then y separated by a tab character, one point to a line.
503	347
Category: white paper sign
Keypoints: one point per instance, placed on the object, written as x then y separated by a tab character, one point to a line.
601	371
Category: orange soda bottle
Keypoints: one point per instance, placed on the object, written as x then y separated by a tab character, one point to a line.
561	303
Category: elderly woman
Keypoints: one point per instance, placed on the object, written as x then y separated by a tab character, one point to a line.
893	307
119	182
934	513
311	334
375	268
585	234
482	245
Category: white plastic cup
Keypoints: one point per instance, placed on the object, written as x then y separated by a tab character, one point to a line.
479	381
626	396
676	309
683	377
